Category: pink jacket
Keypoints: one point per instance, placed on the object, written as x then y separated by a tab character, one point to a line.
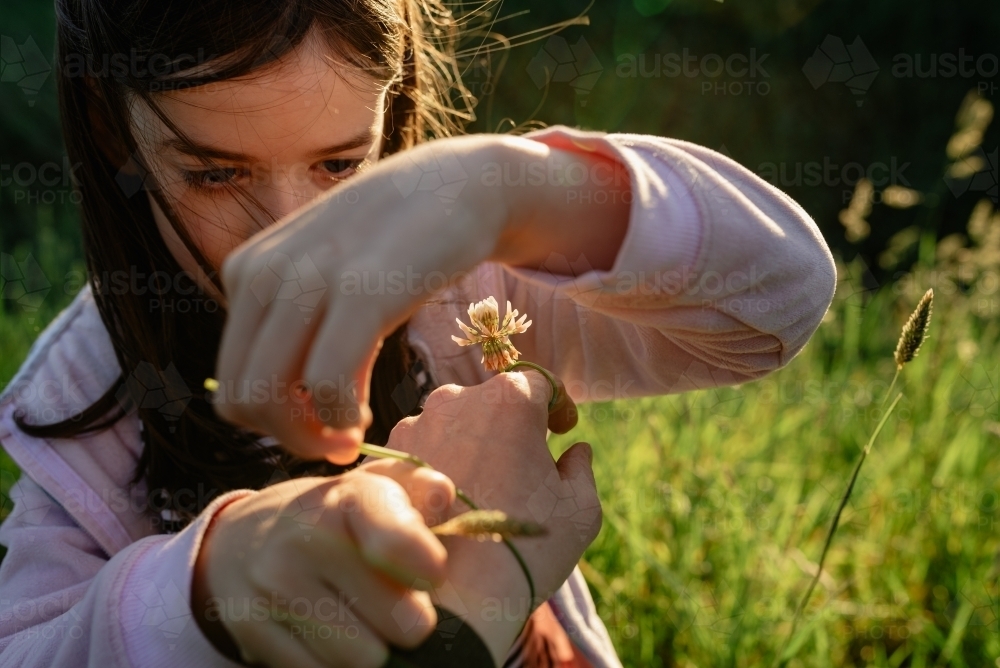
721	279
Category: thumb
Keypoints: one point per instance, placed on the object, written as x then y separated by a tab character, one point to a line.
575	469
577	462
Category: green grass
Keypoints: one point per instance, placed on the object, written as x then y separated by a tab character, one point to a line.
716	503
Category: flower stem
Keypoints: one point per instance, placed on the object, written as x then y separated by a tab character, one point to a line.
888	393
382	452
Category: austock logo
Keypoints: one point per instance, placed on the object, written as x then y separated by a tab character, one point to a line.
445	177
298	281
410	391
12	497
555	278
556	497
161	389
23	282
445	596
559	62
133	177
985	170
295	508
23	65
163	607
850	64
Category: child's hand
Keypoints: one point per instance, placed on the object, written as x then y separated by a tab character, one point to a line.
490	440
325	566
381	244
381	229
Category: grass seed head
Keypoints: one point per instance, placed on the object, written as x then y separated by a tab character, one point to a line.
487	524
915	330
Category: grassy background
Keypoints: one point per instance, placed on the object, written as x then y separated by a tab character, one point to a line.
717	502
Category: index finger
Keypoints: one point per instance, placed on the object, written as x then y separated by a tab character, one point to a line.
563	414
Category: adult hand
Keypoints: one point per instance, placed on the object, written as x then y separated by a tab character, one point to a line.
490	440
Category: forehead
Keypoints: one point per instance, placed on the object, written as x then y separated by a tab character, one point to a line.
301	102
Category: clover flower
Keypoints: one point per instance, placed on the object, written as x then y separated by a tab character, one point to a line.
492	334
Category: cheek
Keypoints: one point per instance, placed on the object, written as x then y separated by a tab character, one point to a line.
216	227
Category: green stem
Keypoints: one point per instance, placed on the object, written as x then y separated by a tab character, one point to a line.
382	452
545	372
888	393
779	660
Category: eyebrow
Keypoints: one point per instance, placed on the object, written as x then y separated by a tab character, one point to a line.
198	150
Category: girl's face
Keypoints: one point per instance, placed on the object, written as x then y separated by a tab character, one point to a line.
285	134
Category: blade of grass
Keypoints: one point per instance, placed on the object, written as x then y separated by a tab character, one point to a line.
781	658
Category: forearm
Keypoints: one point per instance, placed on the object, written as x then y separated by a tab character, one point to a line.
571	204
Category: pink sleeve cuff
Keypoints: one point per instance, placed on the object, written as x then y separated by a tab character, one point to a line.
154	603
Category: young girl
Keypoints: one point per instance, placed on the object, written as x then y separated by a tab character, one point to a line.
153	522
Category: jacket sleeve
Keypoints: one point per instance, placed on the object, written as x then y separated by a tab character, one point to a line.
721	278
63	602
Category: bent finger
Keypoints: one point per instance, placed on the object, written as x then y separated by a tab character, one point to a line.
563	415
343	345
389	532
281	346
431	492
401	615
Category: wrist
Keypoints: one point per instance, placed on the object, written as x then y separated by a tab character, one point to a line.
203	600
492	591
511	172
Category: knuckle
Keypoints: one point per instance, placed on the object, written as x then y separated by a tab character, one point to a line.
436	490
373	492
511	381
407	424
403	433
262	567
527	391
595	527
433	479
518	386
442	395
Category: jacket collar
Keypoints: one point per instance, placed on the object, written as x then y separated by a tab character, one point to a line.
69	367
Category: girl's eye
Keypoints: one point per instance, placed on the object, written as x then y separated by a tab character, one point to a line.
342	167
211	179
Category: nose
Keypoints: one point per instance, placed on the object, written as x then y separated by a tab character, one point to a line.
284	195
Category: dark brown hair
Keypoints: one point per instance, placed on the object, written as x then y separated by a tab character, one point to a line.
113	51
